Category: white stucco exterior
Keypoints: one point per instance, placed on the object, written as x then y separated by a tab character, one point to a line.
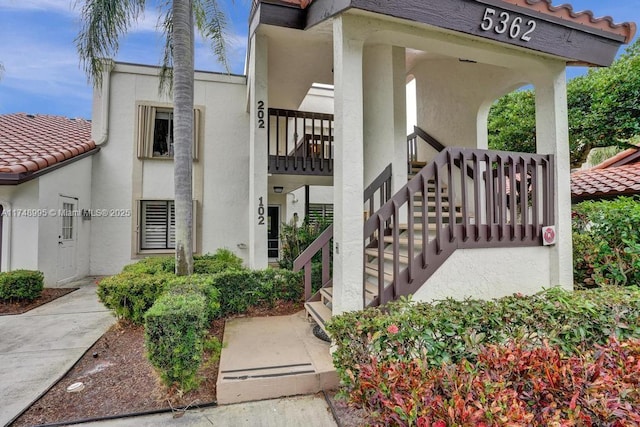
221	171
32	221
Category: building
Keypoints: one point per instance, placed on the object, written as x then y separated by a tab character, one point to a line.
324	104
45	195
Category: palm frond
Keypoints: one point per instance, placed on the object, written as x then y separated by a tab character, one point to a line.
211	21
165	23
102	24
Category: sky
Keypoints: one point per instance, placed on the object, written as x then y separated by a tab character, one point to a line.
42	72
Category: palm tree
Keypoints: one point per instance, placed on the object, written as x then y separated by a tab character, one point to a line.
102	25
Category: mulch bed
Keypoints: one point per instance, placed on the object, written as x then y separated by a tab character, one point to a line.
118	379
19	307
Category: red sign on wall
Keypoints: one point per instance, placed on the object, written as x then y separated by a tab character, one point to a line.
549	235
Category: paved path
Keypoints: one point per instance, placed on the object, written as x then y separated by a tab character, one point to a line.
38	347
307	411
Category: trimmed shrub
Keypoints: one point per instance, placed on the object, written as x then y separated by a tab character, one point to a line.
222	260
606	242
130	294
198	283
175	330
449	331
241	289
514	384
152	265
24	285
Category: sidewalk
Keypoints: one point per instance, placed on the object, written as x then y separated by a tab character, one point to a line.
307	411
38	347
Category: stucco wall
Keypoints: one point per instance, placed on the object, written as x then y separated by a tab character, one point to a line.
489	273
73	181
20	239
220	174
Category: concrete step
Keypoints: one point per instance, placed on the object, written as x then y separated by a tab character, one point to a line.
319	312
326	294
387	254
270	357
372	271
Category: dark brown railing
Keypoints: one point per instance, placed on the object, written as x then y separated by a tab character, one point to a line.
303	261
506	205
300	142
381	186
412	144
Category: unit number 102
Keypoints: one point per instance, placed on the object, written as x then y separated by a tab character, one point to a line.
503	24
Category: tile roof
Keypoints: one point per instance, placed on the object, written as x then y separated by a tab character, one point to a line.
605	180
30	143
587	18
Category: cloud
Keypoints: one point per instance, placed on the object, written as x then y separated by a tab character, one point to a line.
57	6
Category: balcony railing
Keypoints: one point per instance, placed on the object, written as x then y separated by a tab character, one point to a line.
300	142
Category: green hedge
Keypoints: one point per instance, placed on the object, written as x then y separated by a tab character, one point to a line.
221	260
241	289
130	294
175	331
21	285
606	243
198	283
449	331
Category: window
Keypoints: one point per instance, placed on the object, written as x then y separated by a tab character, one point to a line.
319	211
155	132
67	221
158	224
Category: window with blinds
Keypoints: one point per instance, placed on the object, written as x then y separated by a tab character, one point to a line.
158	224
155	132
319	211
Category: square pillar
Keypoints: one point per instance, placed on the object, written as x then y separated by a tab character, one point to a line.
385	137
348	185
552	136
258	156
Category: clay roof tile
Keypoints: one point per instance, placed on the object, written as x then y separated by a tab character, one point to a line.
29	143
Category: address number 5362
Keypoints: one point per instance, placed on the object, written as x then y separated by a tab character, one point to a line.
504	22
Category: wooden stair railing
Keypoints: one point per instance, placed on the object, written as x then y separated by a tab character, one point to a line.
303	261
487	215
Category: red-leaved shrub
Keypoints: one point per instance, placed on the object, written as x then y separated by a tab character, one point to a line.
509	385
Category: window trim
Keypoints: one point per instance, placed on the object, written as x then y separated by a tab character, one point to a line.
145	122
139	229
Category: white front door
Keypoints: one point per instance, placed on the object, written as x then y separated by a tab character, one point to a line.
67	231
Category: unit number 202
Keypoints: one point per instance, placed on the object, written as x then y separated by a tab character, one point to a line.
503	23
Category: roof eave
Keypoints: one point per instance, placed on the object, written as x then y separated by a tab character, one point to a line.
20	178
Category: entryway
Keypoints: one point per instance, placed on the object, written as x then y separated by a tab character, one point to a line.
273	232
67	232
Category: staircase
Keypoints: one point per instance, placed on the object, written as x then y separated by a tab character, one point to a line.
464	198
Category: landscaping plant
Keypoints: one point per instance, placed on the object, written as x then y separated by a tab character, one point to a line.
606	242
21	285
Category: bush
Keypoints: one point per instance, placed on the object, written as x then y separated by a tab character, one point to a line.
198	283
241	289
130	294
152	265
607	243
222	260
449	331
175	330
515	384
21	285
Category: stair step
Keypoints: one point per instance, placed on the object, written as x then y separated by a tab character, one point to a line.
419	226
327	294
319	312
372	270
388	255
403	240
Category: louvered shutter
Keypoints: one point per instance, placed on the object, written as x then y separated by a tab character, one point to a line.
158	225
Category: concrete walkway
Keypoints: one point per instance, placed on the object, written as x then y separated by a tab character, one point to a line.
307	411
38	347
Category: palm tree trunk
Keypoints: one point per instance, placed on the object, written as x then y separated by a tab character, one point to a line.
183	132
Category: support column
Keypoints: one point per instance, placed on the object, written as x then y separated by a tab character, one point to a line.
348	184
385	113
258	113
552	137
